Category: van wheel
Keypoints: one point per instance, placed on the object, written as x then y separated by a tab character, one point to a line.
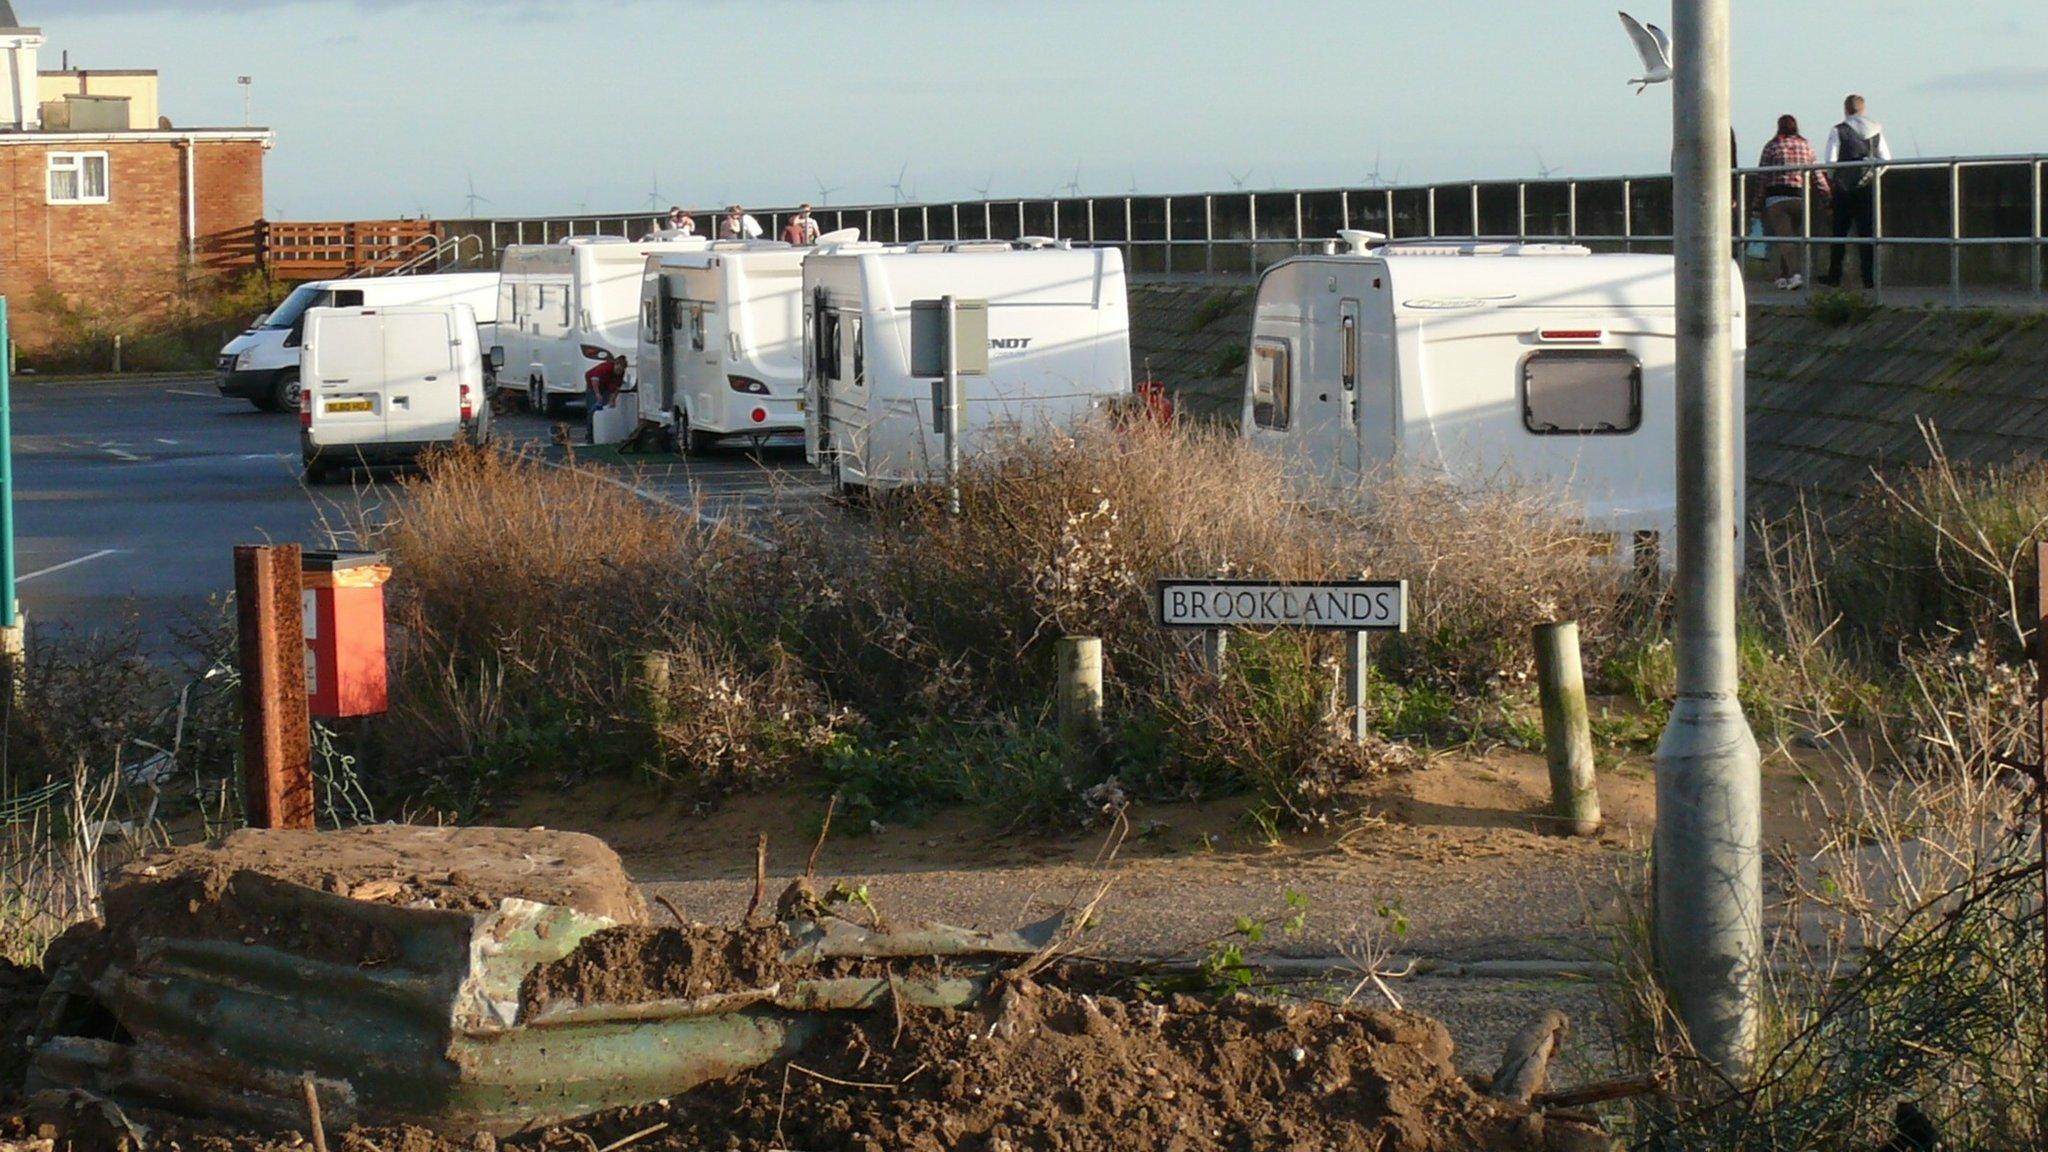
694	441
318	472
533	395
284	394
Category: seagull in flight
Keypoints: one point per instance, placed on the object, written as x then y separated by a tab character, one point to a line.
1653	44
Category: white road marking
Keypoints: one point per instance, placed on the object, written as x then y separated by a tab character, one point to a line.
183	392
118	454
161	440
102	553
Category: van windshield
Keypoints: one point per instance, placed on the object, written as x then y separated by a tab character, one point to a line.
303	297
293	311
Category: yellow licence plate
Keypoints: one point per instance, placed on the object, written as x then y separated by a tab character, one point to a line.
348	406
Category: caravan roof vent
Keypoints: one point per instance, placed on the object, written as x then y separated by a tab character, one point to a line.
1043	242
1357	240
1482	248
839	236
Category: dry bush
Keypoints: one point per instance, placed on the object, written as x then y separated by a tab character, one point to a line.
1944	547
525	594
1905	953
80	697
1066	536
720	725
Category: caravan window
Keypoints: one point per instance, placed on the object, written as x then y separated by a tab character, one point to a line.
828	345
1272	383
697	326
1582	393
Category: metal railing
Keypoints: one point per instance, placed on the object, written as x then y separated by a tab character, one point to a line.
1966	226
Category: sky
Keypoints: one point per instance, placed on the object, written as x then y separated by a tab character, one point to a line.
389	107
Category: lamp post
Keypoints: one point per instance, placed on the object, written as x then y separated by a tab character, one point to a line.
1708	860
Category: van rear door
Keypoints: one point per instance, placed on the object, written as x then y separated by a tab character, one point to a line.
344	371
422	388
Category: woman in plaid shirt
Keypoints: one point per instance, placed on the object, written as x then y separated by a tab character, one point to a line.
1783	200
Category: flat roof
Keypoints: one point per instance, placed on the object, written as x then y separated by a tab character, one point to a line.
139	136
96	72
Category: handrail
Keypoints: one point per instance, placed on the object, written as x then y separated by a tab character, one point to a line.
430	256
1984	228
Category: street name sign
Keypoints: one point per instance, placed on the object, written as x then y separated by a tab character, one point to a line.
1324	605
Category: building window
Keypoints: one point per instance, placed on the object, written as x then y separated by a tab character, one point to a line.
78	177
1272	384
1583	393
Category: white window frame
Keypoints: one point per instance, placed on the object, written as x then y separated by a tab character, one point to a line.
77	163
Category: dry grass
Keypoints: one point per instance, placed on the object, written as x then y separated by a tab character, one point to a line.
527	595
1905	951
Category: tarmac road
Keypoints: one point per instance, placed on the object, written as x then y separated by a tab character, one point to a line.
131	495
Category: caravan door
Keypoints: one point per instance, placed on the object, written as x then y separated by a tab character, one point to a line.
1325	424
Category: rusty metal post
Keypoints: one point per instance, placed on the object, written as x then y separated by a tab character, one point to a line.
277	743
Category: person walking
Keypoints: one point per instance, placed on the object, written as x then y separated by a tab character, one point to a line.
1856	138
1783	199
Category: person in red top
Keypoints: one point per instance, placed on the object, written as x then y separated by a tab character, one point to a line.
801	229
1782	198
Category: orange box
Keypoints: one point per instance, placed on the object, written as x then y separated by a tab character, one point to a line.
346	670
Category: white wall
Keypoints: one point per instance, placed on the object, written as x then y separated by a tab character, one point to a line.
19	90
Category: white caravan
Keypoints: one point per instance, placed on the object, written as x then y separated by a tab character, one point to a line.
385	384
262	364
721	341
1540	362
565	308
1059	348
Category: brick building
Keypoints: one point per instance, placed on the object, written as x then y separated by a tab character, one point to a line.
111	213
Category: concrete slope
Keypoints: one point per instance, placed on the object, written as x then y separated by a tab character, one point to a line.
1831	401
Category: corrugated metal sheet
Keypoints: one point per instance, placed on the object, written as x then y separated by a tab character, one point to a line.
427	1029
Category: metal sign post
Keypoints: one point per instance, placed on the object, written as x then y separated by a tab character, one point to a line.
1356	608
1708	848
952	403
13	638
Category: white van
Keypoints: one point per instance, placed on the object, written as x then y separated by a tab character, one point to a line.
565	308
1059	348
385	384
721	341
262	364
1541	362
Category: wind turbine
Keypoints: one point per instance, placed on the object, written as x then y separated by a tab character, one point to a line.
1134	183
824	193
981	190
1373	178
1543	170
897	187
1073	186
1238	181
1653	44
473	198
654	191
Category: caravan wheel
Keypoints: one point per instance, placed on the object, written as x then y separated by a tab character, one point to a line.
693	441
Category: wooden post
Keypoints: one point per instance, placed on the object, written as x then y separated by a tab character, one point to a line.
277	739
1355	671
1567	734
1080	699
651	682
